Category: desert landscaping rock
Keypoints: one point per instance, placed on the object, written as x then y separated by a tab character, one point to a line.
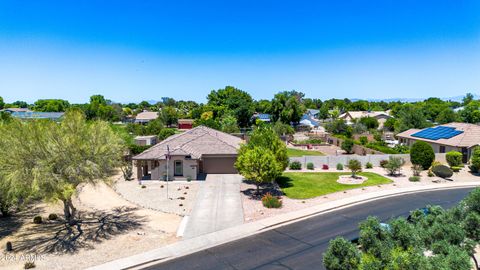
349	180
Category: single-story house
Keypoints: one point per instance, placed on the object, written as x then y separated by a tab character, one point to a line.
461	137
381	116
14	110
264	117
313	113
146	140
200	150
145	117
185	123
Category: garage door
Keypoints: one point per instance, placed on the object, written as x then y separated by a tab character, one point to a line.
219	165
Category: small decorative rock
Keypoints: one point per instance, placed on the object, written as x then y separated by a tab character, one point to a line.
180	205
186	187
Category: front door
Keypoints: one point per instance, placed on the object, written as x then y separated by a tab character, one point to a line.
178	168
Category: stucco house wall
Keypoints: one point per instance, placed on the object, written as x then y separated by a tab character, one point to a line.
190	168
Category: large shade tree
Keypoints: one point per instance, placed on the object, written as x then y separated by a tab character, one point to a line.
51	160
231	99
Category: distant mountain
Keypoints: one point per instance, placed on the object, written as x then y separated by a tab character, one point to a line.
455	98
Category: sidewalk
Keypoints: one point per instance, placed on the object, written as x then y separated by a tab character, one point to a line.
216	238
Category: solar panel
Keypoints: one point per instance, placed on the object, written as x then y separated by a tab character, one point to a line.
437	133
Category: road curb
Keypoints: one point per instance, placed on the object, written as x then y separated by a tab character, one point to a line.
189	246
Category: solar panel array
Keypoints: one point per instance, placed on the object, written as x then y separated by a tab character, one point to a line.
437	133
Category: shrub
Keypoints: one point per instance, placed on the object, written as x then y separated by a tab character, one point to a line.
340	166
29	265
347	145
383	163
417	169
475	160
454	158
355	166
270	201
456	168
324	167
394	165
430	174
442	171
189	178
422	153
165	133
295	165
143	186
37	220
414	178
52	216
368	165
363	140
310	166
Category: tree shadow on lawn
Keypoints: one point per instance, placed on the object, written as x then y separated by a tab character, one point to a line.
92	228
273	189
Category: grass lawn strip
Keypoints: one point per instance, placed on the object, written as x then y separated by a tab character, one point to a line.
292	152
306	185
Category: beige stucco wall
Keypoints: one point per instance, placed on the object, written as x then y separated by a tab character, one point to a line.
189	168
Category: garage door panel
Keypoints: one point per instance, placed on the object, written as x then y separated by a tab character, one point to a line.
214	165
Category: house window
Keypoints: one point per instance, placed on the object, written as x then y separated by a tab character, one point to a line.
442	149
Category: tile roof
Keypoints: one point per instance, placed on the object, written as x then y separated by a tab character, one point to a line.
196	142
470	136
147	116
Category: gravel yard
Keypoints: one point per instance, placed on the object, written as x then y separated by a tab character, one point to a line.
181	195
111	228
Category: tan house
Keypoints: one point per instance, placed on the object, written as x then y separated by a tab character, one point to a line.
200	150
461	137
146	140
145	117
381	116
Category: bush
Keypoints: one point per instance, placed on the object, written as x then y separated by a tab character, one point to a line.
454	158
394	165
143	186
347	145
324	167
37	220
340	166
270	201
417	170
383	163
310	166
295	165
52	217
414	178
355	166
475	160
430	174
368	165
29	265
442	171
456	168
422	153
363	140
189	178
165	133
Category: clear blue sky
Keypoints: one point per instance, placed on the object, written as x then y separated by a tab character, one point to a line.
144	50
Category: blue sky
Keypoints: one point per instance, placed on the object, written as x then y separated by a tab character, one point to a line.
144	50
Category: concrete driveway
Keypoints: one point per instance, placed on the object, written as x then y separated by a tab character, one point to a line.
218	205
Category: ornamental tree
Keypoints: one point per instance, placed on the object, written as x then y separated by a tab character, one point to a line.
422	153
257	164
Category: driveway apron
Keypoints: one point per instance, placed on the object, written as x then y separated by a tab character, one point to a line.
218	205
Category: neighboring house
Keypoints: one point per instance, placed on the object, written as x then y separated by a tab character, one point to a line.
146	140
309	121
185	123
313	113
264	117
145	117
14	110
381	116
200	150
28	115
461	137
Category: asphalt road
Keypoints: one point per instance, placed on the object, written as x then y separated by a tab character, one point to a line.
300	245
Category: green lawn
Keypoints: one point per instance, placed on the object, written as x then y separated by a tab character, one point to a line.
292	152
305	185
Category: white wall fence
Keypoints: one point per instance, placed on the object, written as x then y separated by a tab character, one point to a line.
332	161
